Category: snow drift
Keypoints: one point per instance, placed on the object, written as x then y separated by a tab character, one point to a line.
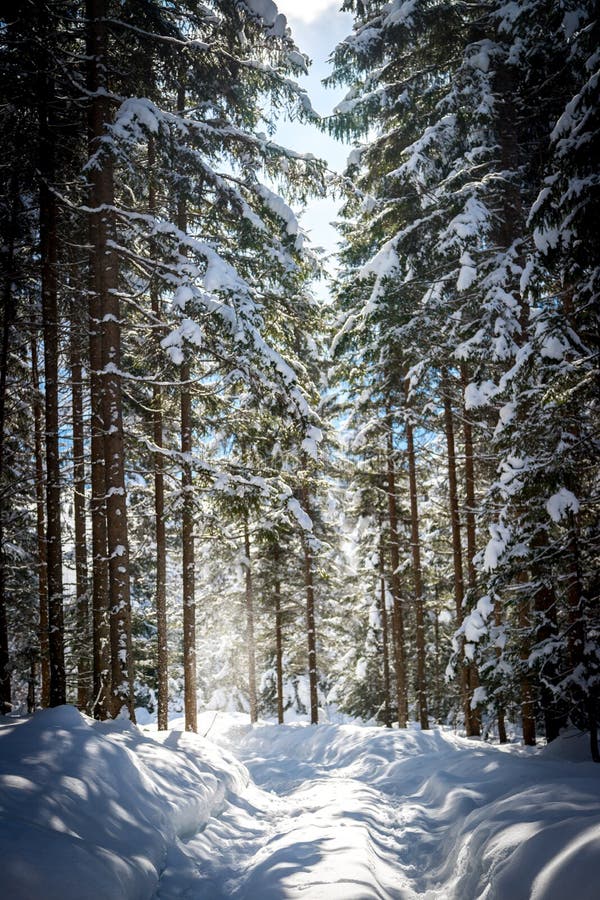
91	810
96	810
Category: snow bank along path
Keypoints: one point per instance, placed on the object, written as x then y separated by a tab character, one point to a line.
99	811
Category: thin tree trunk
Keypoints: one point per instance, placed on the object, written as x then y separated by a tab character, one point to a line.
500	716
105	285
79	504
577	636
544	605
527	696
189	601
48	223
100	605
415	544
161	564
459	589
546	627
397	614
100	707
437	698
41	527
249	595
8	315
310	619
472	675
387	711
159	496
278	636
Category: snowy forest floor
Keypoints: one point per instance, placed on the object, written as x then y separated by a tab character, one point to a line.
107	811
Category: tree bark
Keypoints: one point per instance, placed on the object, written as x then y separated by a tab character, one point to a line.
105	279
100	606
249	596
472	676
48	224
387	711
544	604
8	316
577	637
397	614
502	736
96	47
459	587
159	495
189	601
278	636
437	694
310	619
527	695
38	425
415	545
84	665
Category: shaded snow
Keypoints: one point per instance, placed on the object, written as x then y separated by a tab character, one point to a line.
334	811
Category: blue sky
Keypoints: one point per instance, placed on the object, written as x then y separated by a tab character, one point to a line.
317	26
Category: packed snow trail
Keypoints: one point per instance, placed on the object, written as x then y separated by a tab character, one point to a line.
350	812
108	811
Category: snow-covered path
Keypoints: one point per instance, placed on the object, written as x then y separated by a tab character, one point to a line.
108	811
301	829
350	812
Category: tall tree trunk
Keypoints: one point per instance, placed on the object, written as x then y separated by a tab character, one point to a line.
105	272
387	711
437	694
249	596
189	600
100	706
397	614
527	694
278	636
48	222
472	675
8	315
161	564
577	637
38	425
500	715
159	495
459	588
311	633
415	545
544	605
84	664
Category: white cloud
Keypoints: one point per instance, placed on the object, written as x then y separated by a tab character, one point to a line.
307	11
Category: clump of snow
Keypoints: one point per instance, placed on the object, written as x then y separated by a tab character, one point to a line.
311	442
278	206
561	503
554	347
401	13
361	669
265	9
500	536
134	114
468	272
300	515
479	394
